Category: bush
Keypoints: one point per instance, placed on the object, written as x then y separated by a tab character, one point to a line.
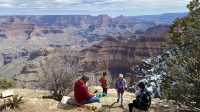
182	82
5	83
12	103
59	72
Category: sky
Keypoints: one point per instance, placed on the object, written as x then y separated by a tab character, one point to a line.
91	7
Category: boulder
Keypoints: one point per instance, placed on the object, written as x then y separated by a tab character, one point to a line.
65	99
7	93
69	101
93	106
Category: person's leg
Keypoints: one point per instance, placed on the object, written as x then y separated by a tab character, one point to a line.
92	100
122	98
106	89
118	97
130	106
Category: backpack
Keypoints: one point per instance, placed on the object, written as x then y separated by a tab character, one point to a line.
144	100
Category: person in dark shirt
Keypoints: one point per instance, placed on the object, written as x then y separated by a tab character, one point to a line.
143	99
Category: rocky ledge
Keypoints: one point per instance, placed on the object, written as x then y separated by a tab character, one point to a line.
33	102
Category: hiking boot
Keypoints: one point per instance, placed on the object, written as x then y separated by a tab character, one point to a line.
104	94
122	106
117	101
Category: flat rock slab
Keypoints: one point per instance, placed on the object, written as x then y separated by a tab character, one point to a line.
67	102
7	93
93	106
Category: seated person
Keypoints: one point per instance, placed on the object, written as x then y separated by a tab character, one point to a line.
143	99
81	92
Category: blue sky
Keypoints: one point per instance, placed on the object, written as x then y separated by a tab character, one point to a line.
92	7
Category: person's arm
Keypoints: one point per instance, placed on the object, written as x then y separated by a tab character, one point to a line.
116	86
100	80
86	91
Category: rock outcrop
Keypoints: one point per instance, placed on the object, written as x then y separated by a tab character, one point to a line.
117	44
33	102
26	27
122	53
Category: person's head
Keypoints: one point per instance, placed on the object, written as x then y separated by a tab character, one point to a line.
121	76
104	74
85	78
141	85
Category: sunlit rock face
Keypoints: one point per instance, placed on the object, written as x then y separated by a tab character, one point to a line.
120	54
105	43
89	27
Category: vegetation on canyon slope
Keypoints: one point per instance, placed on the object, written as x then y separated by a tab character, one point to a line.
59	72
182	82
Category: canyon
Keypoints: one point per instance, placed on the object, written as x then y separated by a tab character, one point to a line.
117	44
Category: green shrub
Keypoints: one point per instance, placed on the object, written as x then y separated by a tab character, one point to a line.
6	83
182	82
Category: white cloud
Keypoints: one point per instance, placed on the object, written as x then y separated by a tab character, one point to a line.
7	3
100	6
68	1
115	1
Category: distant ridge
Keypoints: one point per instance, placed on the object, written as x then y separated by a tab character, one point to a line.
166	18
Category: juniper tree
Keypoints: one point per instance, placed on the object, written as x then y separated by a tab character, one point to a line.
182	82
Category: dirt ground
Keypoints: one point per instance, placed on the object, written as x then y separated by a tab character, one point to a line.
33	102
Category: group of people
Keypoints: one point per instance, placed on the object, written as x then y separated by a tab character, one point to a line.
84	96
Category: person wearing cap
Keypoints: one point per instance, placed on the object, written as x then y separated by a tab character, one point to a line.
143	99
120	86
81	92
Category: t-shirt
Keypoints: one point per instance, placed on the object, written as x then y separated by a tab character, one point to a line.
120	85
103	82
